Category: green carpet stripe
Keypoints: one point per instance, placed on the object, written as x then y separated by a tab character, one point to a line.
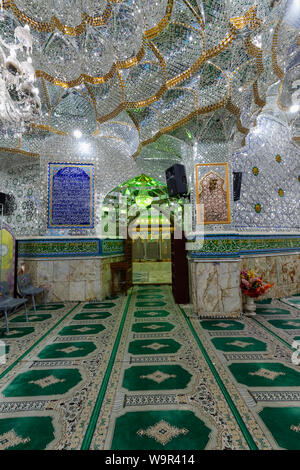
249	439
36	343
290	305
272	333
97	408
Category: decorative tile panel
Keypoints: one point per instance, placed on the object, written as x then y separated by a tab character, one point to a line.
233	246
57	248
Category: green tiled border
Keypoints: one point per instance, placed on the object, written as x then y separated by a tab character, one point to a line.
61	248
221	245
234	245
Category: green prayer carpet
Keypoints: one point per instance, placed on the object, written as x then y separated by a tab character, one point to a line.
140	373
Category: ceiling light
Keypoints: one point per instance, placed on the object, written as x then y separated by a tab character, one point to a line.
77	133
84	147
294	108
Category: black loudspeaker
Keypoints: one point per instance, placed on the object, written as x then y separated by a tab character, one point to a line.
3	199
237	183
176	180
6	200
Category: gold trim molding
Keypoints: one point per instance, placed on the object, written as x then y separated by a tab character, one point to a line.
54	23
19	151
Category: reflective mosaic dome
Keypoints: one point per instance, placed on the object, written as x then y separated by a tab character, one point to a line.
163	63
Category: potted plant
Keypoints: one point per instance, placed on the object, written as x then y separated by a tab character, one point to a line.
252	287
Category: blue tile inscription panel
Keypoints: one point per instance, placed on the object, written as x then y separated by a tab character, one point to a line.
70	195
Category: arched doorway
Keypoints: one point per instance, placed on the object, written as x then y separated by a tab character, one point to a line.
150	232
150	223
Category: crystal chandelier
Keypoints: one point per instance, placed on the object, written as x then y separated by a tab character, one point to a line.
19	98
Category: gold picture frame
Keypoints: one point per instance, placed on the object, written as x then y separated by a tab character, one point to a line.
213	191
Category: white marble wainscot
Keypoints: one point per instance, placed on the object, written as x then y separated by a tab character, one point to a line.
71	279
283	270
215	288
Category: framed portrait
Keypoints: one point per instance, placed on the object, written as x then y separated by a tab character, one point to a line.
213	192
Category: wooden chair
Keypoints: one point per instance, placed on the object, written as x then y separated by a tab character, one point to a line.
123	269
